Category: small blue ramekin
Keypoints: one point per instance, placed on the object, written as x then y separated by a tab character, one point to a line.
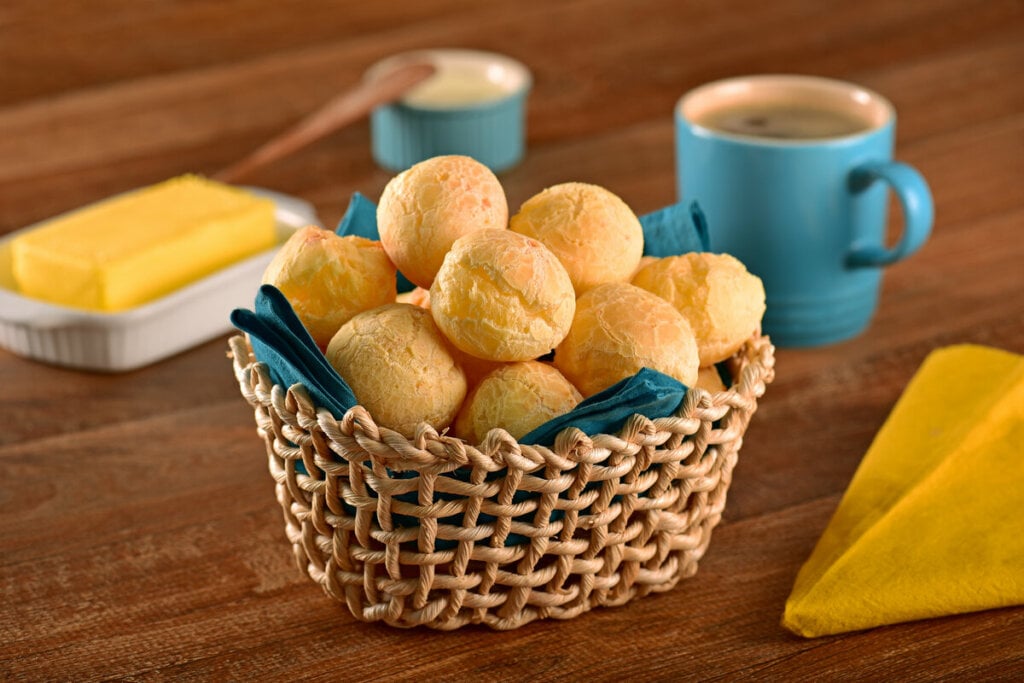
492	130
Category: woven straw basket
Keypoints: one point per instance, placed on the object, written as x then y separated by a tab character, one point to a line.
433	531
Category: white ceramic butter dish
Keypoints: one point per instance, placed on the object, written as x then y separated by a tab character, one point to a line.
116	342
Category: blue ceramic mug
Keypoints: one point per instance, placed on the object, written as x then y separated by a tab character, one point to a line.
793	174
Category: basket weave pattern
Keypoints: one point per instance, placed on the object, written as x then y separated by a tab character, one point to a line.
503	533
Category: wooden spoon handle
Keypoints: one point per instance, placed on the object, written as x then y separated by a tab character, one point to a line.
338	112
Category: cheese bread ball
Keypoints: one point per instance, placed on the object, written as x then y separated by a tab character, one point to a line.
709	380
721	300
424	209
328	279
475	368
518	397
619	329
592	232
502	296
399	367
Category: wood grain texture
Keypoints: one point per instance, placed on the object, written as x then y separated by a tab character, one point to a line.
139	535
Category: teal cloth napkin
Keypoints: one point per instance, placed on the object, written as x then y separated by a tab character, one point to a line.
292	357
360	218
648	392
675	230
281	342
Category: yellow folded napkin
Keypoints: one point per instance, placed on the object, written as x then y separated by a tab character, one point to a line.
933	520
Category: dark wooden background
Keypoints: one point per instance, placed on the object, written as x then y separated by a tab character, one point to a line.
139	535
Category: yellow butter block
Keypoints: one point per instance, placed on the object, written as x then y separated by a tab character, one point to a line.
141	245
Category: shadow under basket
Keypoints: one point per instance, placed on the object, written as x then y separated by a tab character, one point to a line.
436	532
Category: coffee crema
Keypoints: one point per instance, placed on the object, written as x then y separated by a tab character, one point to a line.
783	121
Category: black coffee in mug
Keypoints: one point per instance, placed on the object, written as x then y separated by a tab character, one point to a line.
783	120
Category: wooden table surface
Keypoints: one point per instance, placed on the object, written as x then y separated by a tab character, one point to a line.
139	534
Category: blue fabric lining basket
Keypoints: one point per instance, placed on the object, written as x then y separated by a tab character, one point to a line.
437	532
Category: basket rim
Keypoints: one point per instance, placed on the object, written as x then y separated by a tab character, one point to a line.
441	452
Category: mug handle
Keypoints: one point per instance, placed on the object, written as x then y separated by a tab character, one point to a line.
918	211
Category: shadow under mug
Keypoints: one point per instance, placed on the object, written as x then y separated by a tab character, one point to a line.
807	215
